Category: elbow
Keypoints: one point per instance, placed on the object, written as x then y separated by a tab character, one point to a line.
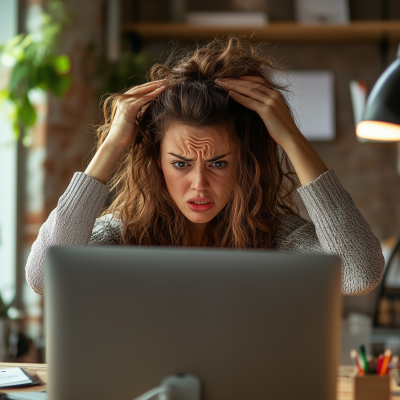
34	283
34	278
366	279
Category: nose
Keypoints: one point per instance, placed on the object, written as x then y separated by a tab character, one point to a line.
199	179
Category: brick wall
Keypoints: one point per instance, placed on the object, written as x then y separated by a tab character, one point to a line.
367	170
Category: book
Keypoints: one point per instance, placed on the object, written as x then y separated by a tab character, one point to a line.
227	18
12	377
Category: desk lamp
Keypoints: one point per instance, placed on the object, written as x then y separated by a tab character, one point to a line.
381	122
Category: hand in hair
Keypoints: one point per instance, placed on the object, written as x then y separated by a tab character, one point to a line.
125	109
253	93
119	130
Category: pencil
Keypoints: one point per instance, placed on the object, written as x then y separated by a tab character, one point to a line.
385	362
379	365
363	356
353	355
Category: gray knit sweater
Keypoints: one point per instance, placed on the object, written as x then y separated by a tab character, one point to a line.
337	227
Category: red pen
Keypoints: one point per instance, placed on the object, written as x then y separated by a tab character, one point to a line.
379	365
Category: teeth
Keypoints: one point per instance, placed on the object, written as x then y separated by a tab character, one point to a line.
198	202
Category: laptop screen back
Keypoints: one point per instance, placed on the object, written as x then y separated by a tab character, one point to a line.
250	324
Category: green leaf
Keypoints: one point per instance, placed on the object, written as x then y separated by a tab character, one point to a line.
48	79
61	86
14	49
26	113
13	42
4	94
26	41
13	117
62	64
19	73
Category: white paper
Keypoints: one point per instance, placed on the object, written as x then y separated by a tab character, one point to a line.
27	396
312	100
13	376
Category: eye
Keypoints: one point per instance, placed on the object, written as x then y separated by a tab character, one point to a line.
220	164
179	164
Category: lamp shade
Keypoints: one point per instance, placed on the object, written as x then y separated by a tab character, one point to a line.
381	120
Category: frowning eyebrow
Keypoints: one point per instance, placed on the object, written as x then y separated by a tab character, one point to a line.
212	159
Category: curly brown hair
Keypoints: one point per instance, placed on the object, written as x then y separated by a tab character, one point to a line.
264	178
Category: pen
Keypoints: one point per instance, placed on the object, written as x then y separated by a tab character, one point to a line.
379	365
353	355
363	358
385	362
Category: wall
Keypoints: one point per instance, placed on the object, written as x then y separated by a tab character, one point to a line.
61	139
367	171
70	131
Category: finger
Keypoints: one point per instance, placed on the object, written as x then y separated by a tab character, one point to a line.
237	82
245	90
256	79
145	98
246	101
143	92
139	101
144	87
262	85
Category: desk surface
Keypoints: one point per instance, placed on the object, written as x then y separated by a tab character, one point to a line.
344	384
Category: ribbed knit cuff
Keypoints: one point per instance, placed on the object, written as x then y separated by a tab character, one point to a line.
83	189
325	193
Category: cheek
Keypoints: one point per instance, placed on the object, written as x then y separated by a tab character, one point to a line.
175	181
221	185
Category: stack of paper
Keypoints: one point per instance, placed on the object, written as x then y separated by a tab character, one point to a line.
10	377
27	396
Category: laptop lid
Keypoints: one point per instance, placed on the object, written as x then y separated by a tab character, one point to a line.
250	324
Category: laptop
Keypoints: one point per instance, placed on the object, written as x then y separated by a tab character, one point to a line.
249	324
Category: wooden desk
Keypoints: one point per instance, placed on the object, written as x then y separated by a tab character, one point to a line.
344	384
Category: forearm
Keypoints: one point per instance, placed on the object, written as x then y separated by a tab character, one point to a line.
103	162
342	230
70	223
305	159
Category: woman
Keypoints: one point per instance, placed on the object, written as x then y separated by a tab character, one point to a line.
200	157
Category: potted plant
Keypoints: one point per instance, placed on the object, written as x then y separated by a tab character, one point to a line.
34	64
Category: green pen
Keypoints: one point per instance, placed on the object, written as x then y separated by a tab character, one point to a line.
361	349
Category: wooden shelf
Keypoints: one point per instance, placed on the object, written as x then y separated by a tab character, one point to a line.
355	32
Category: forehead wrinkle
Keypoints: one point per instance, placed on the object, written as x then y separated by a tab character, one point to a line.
197	145
203	149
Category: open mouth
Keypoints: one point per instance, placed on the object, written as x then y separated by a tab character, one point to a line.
200	206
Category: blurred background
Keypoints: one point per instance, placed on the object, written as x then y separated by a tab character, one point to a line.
58	58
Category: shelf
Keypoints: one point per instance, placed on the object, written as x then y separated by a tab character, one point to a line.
355	32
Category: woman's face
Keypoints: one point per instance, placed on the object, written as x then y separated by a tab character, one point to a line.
197	164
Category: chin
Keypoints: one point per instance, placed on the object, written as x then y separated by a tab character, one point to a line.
200	218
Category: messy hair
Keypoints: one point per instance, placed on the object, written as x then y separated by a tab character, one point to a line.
264	182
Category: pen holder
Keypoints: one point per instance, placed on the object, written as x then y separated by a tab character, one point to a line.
372	387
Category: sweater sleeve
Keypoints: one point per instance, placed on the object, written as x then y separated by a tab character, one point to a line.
342	230
72	222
